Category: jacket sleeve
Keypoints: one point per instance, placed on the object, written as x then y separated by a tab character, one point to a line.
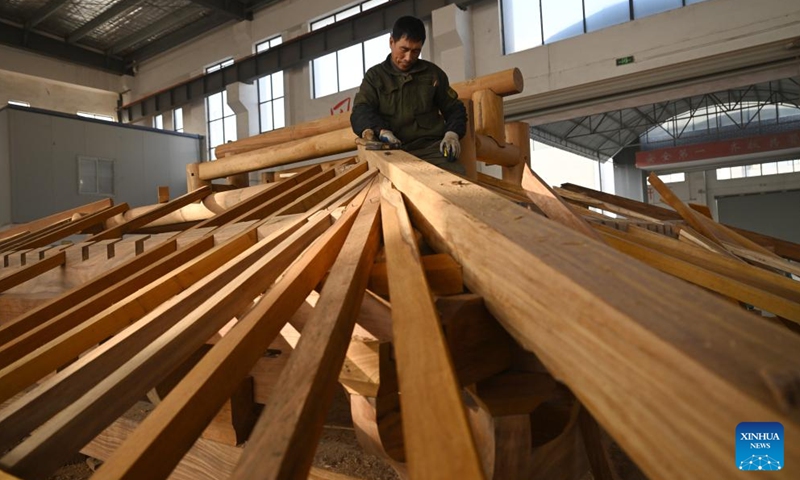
453	111
365	112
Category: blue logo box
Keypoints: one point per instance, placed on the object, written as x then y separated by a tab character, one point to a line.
759	446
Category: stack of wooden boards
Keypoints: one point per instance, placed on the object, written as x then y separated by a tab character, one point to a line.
477	337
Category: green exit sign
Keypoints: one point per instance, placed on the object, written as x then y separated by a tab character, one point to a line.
625	60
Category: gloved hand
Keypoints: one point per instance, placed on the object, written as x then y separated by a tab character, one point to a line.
450	146
387	136
368	134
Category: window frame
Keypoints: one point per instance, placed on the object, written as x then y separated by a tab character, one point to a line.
222	96
270	42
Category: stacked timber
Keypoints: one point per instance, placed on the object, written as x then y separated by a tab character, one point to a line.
481	329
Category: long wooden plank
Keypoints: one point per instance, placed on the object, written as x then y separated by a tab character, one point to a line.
623	342
743	272
17	242
263	197
552	205
36	317
283	441
27	272
160	211
113	376
645	209
437	436
43	222
770	261
173	426
36	337
54	353
713	281
76	226
207	460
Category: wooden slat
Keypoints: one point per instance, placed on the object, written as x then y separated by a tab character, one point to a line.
156	213
442	272
715	282
770	261
108	391
77	226
36	317
17	243
645	209
56	217
170	429
27	272
552	205
283	442
623	342
437	436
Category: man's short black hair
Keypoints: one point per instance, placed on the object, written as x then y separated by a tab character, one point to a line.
410	27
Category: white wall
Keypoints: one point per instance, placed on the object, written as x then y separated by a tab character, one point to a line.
5	170
658	43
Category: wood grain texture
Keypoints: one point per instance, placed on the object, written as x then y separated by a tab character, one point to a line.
170	429
283	442
622	341
437	436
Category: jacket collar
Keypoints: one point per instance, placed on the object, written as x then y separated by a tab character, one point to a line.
389	67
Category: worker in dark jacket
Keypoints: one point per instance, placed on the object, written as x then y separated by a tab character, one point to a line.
408	102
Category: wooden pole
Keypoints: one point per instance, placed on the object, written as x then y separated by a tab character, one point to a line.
193	181
337	141
488	117
518	134
489	152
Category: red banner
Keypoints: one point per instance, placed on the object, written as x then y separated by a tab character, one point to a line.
725	148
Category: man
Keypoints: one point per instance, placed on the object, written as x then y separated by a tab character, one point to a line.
408	103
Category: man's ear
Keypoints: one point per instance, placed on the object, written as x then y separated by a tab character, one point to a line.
391	41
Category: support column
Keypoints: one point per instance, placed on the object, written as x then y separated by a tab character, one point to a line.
243	100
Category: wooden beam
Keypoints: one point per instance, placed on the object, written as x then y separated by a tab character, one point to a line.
705	278
442	272
171	429
437	436
76	226
624	342
24	273
552	205
160	211
183	325
645	209
283	442
36	317
55	218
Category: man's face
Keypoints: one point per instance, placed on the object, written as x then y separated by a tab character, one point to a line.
405	52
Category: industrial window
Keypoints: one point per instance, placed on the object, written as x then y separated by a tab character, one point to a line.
96	116
177	119
758	170
158	122
345	68
221	119
673	177
271	101
95	176
530	23
19	103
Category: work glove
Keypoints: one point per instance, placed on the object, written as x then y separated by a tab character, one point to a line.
368	134
387	136
450	146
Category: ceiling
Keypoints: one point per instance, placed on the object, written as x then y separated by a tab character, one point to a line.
114	35
603	135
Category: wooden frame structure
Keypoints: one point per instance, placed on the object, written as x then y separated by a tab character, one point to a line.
476	337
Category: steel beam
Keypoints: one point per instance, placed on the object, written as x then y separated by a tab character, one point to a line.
29	40
164	23
44	12
118	9
229	8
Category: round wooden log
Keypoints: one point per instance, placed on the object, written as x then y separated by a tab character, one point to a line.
286	134
488	117
518	135
504	83
489	152
193	181
331	143
468	157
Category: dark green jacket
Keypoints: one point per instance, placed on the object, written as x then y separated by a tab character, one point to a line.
418	106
